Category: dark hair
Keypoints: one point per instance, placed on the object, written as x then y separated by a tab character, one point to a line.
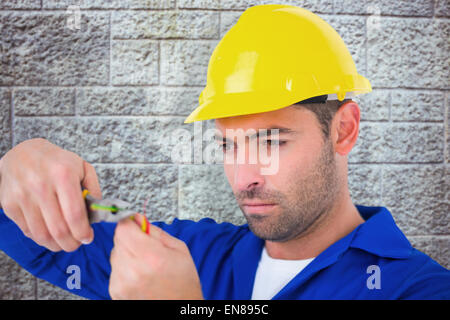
323	109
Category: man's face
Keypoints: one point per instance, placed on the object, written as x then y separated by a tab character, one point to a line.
282	206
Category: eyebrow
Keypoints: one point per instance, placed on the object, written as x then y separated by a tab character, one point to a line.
265	132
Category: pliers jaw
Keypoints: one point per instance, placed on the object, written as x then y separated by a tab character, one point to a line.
108	210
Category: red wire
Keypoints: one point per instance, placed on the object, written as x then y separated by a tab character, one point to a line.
147	229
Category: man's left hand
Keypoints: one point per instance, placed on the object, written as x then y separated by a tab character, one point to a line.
154	266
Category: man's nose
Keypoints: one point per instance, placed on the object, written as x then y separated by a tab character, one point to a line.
247	177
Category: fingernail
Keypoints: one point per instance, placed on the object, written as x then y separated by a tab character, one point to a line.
86	241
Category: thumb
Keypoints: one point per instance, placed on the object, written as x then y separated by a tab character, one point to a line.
90	180
166	239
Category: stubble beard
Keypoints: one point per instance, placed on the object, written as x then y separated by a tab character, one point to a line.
308	198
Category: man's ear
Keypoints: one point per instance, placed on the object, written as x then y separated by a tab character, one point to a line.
345	127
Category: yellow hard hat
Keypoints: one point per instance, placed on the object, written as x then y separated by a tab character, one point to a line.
273	57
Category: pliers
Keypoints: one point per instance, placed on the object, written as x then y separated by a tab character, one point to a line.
110	210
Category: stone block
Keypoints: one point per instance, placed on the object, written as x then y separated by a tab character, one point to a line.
107	140
205	192
47	291
109	4
417	105
385	7
150	187
199	4
408	53
436	247
15	282
417	198
165	24
185	62
52	49
5	121
137	101
44	101
375	105
364	183
399	142
135	62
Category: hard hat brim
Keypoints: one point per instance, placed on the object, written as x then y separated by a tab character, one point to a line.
237	104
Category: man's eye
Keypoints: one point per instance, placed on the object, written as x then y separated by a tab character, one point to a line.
226	147
274	142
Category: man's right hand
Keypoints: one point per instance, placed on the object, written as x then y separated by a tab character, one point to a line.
40	190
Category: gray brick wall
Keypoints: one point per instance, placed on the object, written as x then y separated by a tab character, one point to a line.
134	70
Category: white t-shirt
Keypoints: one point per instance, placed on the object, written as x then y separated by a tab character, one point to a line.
273	274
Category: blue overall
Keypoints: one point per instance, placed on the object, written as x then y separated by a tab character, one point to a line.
227	256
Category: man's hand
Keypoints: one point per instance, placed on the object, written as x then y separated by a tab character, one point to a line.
154	266
40	190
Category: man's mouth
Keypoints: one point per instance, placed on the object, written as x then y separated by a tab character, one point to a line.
258	207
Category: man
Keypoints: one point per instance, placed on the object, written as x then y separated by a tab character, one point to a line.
281	76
